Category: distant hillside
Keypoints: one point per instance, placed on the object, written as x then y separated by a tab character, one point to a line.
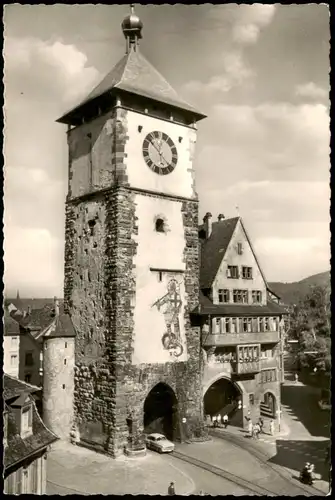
292	293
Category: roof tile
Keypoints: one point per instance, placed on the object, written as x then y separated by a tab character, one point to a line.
14	387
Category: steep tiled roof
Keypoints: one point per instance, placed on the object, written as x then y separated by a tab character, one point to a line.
60	326
14	387
214	248
11	326
41	318
18	448
134	74
206	307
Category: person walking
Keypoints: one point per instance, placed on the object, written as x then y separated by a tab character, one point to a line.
218	419
272	427
250	426
257	430
261	424
225	420
215	423
296	378
171	489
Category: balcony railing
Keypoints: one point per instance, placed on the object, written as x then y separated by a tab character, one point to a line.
248	367
233	367
269	363
227	339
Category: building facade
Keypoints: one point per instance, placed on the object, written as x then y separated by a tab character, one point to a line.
44	357
11	344
132	256
25	440
241	325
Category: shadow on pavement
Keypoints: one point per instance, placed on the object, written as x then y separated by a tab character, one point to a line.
294	454
302	405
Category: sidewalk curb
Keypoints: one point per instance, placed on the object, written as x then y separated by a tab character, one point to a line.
264	458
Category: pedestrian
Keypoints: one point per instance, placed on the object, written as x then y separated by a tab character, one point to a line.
250	427
215	424
225	421
171	490
218	419
296	377
257	430
272	427
261	424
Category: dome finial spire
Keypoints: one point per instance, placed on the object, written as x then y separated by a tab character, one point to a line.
132	27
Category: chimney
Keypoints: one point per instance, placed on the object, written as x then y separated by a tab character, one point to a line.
28	310
208	224
220	217
56	303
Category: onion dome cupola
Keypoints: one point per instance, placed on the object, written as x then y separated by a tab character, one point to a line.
133	76
132	27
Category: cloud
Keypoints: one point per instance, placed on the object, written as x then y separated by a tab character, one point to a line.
272	141
231	72
250	20
33	259
311	90
47	69
290	256
33	199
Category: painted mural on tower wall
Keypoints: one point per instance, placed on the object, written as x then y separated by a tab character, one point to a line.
160	301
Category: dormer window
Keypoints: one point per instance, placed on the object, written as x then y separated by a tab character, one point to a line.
27	421
159	226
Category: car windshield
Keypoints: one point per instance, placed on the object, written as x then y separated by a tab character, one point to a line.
160	438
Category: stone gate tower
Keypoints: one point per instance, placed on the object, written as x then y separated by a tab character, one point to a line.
131	251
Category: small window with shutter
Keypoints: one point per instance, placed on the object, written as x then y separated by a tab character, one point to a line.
27	421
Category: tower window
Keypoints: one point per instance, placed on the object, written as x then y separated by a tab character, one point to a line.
63	386
64	361
159	226
91	224
65	345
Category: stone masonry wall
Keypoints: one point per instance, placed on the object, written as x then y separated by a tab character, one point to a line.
99	290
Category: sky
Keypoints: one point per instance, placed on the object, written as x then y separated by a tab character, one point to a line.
259	72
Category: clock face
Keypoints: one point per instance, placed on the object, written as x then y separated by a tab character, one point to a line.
160	153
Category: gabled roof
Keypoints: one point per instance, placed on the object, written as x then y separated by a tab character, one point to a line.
11	326
214	248
19	449
134	74
13	387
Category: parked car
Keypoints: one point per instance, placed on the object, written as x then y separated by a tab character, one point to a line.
324	405
158	442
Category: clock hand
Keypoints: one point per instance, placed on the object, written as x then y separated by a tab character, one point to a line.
157	148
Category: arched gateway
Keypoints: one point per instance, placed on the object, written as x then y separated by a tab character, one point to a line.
222	396
161	411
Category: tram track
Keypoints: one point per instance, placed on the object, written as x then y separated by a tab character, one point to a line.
241	482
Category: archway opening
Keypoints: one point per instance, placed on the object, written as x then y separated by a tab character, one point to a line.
268	405
222	398
161	412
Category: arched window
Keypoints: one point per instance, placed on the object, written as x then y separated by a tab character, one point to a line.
159	225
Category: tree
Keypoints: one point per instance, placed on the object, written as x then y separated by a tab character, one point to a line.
312	327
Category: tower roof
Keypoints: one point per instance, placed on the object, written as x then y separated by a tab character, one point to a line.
135	75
